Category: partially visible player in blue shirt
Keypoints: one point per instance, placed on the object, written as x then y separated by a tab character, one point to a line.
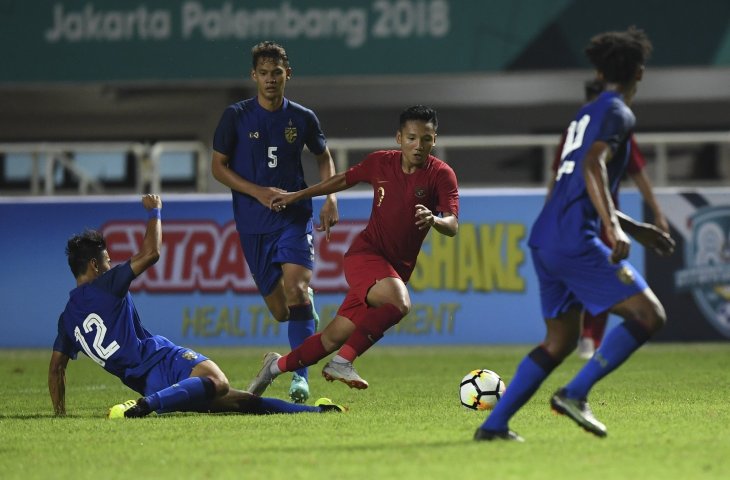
574	267
101	320
257	151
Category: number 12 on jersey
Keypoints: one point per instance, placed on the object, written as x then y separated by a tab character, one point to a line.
573	141
99	353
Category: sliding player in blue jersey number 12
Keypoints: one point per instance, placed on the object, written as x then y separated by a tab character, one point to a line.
257	152
101	320
575	269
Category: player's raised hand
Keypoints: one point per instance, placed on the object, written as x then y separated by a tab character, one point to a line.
151	201
653	238
424	217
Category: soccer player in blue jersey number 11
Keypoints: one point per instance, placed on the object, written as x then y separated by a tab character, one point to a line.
257	152
574	267
101	320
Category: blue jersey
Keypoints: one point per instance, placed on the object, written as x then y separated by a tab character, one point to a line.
100	319
265	148
568	220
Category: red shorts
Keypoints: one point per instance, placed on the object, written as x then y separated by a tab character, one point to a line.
361	273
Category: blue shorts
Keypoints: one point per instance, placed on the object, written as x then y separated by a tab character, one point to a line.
174	367
266	252
586	280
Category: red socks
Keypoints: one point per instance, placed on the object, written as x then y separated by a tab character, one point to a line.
370	329
308	353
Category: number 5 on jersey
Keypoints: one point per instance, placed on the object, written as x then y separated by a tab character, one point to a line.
272	157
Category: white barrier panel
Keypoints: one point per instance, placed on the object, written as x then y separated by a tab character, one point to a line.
476	288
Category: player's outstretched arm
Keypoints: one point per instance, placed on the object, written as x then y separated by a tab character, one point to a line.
648	235
596	180
57	381
335	183
232	180
150	252
328	214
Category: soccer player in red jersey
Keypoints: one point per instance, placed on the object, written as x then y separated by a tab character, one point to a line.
594	326
413	192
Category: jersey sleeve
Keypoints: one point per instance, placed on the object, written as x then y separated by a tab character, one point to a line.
616	125
116	281
558	153
316	141
448	192
636	158
226	137
64	344
363	171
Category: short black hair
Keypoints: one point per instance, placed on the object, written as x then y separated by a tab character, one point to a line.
419	112
593	88
619	55
83	248
269	49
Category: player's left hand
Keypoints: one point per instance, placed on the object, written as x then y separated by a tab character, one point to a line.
653	238
151	201
424	217
328	216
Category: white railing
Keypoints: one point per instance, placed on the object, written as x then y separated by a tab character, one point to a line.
659	142
147	156
146	159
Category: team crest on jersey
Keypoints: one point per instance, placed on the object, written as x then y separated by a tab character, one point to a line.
420	192
290	133
625	275
189	355
381	196
707	265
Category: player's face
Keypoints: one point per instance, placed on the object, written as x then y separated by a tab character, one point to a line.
106	264
270	77
416	139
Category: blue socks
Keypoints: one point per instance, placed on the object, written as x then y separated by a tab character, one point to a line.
618	345
189	394
266	406
531	372
301	326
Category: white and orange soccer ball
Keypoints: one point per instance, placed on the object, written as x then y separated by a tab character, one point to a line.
481	389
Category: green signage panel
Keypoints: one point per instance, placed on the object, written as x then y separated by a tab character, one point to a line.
45	41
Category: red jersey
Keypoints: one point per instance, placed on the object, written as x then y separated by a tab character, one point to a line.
391	231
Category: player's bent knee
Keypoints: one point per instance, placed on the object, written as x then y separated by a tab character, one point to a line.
559	350
404	308
221	385
651	315
332	341
657	318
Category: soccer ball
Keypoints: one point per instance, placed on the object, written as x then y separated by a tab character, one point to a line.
481	389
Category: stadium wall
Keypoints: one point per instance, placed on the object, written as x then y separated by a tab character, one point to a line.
477	288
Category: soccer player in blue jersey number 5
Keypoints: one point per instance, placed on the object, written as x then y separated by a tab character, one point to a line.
101	320
257	152
575	269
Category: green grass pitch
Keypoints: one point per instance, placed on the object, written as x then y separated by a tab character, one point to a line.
667	411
